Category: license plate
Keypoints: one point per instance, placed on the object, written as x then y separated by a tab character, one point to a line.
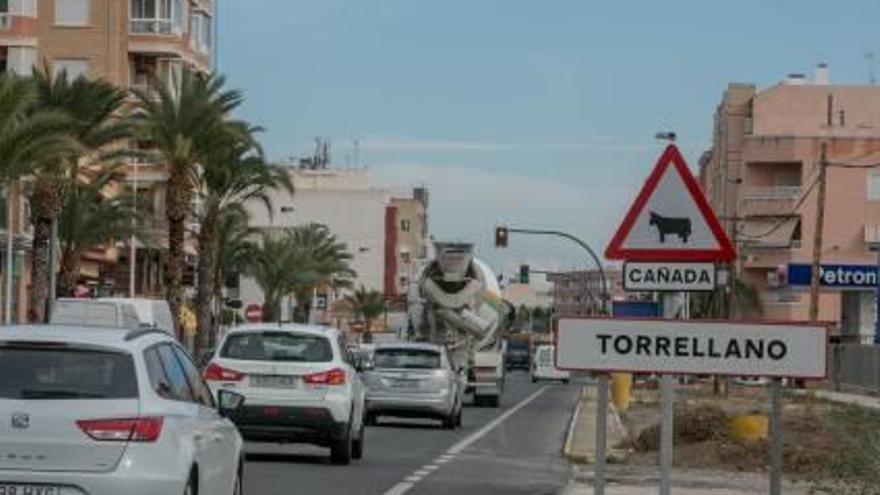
272	381
7	489
406	384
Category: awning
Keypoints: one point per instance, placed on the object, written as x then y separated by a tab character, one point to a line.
769	232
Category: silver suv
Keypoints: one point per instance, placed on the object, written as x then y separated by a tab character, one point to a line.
105	411
414	380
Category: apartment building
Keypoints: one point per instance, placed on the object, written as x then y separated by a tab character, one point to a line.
579	293
411	242
123	42
760	176
358	213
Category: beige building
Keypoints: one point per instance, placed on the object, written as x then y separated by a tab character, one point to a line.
412	241
760	178
124	42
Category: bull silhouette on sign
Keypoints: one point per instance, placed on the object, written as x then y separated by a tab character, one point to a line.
671	226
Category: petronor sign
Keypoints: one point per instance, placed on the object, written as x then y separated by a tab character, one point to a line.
692	347
639	276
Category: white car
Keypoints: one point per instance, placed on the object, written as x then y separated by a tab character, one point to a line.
300	383
544	366
106	411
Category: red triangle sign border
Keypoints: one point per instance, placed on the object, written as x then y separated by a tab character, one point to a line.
671	157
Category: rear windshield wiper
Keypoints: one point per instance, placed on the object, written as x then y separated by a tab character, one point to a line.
59	394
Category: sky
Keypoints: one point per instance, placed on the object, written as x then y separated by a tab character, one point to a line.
532	113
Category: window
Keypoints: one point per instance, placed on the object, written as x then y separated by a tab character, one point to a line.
278	346
72	12
405	257
874	185
408	359
75	67
37	372
404	225
158	379
200	389
180	389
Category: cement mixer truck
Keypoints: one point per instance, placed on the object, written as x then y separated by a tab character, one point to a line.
455	301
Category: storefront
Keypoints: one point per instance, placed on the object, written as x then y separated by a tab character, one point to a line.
857	289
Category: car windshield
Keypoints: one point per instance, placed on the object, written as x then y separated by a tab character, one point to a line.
36	372
408	359
278	346
545	356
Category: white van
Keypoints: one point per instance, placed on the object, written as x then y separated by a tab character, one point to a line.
544	368
113	312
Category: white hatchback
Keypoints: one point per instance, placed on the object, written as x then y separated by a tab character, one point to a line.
105	411
544	366
300	383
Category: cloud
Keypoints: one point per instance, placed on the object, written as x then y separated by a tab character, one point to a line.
466	203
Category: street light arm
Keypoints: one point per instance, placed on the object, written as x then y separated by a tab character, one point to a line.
582	244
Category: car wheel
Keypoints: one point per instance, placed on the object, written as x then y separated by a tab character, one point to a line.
238	489
449	420
458	417
357	446
371	419
493	401
341	449
192	487
566	381
534	380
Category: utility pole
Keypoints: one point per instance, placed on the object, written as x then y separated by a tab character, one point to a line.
817	235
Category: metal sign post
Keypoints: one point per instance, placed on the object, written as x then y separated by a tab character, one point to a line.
601	434
667	399
776	437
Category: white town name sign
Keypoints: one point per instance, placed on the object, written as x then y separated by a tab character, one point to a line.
642	276
692	347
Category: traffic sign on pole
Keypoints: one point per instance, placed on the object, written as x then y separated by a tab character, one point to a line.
670	219
253	313
681	347
643	276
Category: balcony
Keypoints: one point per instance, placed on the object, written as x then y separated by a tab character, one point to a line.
153	26
769	200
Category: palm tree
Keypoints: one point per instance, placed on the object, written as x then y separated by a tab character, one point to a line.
296	261
98	130
234	174
328	263
367	304
273	266
234	253
90	218
183	124
27	137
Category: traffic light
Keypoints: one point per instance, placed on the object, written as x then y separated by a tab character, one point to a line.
524	274
501	237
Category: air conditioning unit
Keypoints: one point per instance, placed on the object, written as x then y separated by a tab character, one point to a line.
872	234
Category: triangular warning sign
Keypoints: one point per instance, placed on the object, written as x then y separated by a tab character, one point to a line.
670	219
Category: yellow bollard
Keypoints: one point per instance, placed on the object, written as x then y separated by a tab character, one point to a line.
621	383
749	427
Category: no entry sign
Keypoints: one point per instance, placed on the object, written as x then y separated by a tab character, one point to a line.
692	347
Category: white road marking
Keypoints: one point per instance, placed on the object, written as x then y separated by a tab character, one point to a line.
410	481
399	489
477	435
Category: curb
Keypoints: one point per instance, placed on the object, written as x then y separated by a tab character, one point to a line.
569	437
588	456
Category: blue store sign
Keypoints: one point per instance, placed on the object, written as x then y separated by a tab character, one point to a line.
852	277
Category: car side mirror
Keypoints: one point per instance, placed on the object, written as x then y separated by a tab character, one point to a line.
364	364
229	402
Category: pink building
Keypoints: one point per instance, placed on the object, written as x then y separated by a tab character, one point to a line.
759	176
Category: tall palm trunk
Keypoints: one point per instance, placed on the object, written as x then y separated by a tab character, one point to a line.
69	273
206	281
46	203
178	206
272	308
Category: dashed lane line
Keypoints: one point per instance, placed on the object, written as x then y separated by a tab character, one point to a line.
410	481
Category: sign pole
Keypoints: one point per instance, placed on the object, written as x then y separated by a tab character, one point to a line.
601	433
776	437
667	409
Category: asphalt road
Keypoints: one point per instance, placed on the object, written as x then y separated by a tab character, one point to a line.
515	449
